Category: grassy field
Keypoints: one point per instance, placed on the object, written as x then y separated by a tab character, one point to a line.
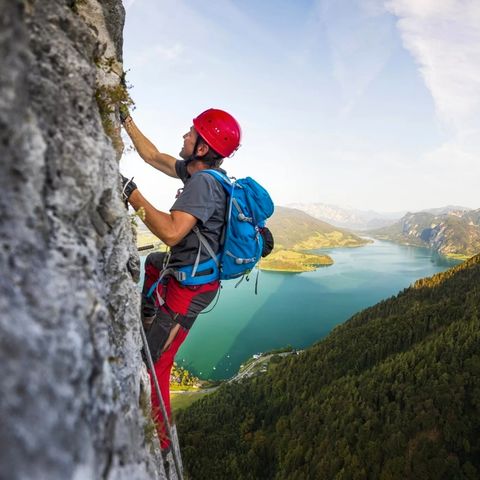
296	230
458	256
294	262
330	239
185	399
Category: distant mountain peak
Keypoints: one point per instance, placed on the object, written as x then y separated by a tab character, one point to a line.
348	218
448	210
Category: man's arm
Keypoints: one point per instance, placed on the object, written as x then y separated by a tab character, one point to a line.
148	151
169	228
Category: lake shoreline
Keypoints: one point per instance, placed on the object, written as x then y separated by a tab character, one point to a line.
300	309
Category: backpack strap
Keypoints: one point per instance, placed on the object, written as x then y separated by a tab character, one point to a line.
222	178
187	275
241	216
202	241
228	187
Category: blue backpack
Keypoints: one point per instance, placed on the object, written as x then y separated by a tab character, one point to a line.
249	206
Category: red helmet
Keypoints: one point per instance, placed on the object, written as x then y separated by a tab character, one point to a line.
220	130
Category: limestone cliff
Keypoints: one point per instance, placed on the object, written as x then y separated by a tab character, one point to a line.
455	233
69	329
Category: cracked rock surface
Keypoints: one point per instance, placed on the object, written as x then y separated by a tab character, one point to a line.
69	307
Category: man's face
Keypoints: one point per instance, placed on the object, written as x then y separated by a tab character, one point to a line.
189	140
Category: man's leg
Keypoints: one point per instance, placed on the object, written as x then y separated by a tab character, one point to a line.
163	367
188	303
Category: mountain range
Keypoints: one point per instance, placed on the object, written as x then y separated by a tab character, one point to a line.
456	233
393	393
348	218
354	219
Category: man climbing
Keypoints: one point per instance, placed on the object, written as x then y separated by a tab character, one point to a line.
170	308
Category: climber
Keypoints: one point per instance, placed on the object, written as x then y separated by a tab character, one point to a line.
169	308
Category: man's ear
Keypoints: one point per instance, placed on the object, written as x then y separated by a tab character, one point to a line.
202	149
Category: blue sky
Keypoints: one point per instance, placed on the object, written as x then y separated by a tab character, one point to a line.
372	104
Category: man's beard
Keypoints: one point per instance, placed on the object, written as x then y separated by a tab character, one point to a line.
187	159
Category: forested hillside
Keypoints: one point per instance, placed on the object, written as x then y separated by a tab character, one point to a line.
394	393
296	230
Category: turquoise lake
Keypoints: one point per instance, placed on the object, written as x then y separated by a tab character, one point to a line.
299	309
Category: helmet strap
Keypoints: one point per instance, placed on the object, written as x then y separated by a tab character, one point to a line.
193	156
197	144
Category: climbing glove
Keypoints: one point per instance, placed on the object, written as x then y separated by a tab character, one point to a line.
128	186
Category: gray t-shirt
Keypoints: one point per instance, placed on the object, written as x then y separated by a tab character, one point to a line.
203	197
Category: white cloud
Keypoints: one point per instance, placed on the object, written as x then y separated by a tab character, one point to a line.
443	36
361	42
453	153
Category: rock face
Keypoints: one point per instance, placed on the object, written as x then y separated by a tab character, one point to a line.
454	233
69	308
